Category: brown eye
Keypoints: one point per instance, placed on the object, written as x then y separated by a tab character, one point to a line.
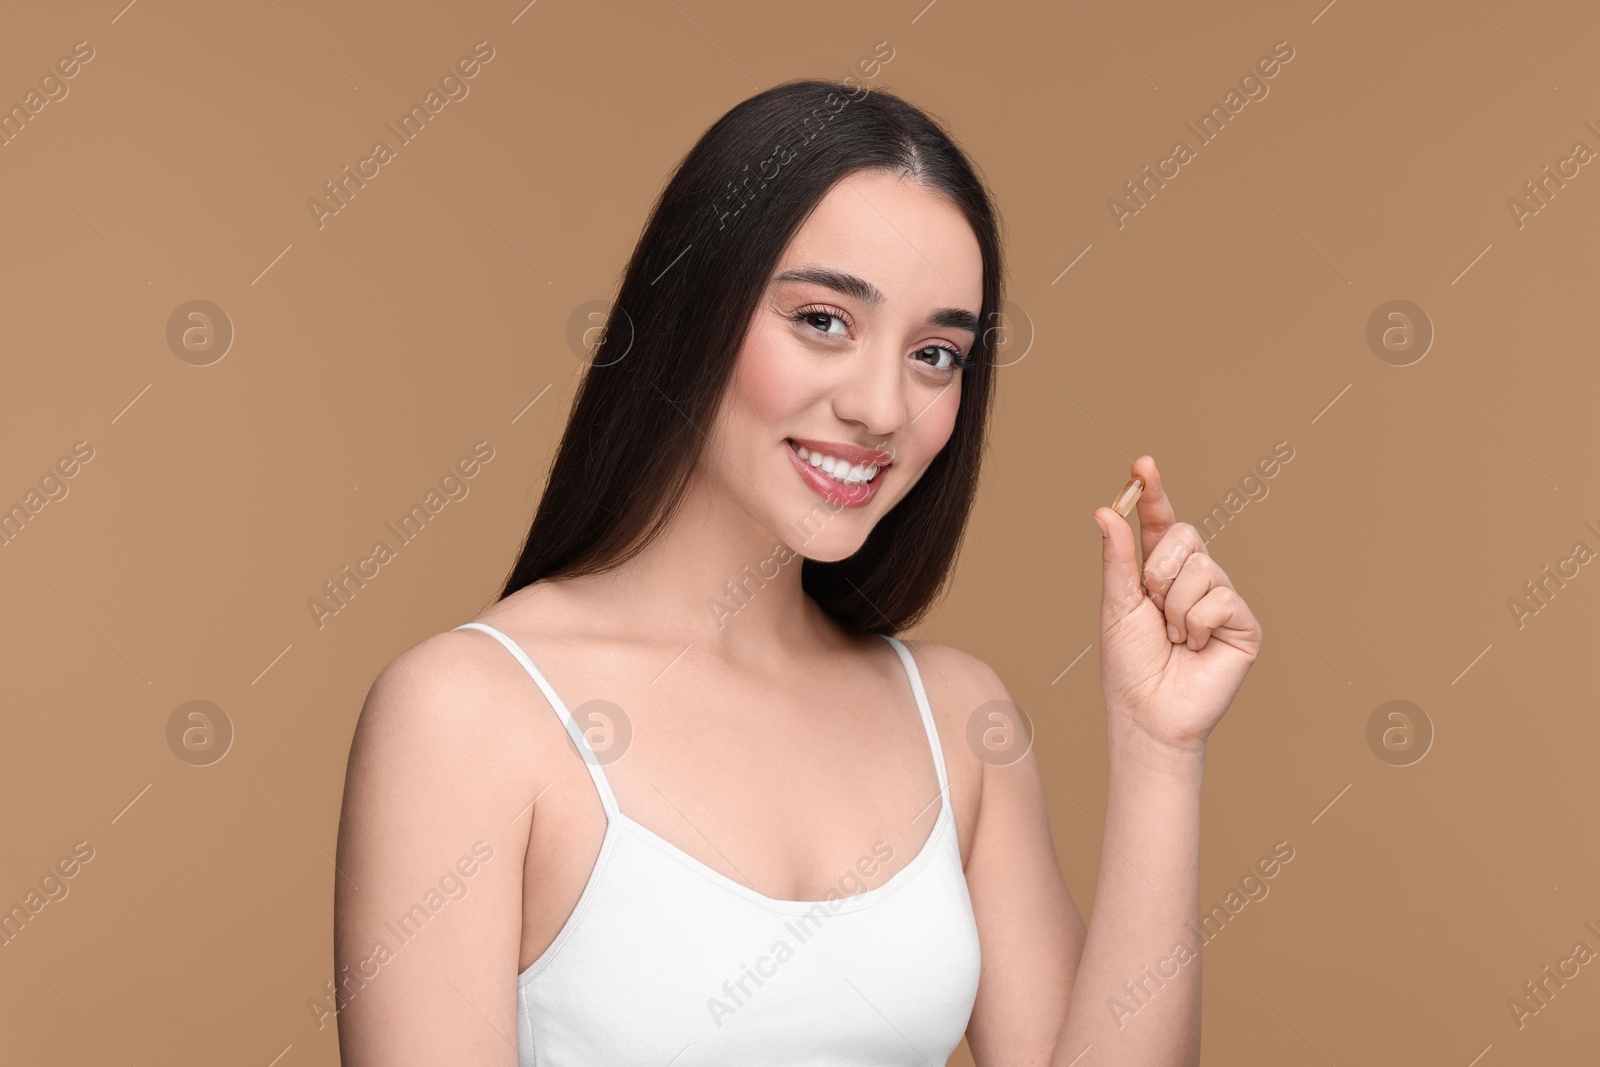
955	360
820	318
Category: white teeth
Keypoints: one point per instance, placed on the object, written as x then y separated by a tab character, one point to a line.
838	469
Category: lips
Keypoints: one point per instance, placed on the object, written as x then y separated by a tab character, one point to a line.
849	496
852	454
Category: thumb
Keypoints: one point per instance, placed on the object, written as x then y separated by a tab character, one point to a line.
1120	587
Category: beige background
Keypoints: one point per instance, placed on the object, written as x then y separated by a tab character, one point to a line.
1229	314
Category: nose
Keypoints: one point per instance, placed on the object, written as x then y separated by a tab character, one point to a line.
874	393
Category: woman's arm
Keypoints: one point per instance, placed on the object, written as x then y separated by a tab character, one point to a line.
1176	641
1030	933
1047	986
1136	999
428	898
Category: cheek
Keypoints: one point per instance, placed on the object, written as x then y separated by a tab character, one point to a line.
932	429
769	384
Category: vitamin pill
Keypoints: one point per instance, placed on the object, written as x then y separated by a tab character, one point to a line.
1129	496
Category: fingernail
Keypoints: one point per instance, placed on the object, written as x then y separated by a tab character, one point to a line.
1172	631
1159	600
1103	531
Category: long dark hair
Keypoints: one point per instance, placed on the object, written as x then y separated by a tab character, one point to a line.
660	367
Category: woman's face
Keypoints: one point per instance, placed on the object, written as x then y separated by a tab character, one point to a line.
851	356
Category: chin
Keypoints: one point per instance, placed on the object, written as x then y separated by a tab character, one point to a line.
822	532
824	551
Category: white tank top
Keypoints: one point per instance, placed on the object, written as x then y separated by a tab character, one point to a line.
667	962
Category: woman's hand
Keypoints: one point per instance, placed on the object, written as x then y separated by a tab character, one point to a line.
1170	685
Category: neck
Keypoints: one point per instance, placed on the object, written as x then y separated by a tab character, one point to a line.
716	578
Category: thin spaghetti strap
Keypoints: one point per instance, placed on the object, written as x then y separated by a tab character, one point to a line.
921	694
607	798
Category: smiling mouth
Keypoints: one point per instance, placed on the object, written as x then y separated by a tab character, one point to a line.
836	469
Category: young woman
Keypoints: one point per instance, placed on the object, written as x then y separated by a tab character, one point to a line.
680	796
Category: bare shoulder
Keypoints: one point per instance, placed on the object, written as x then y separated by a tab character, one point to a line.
446	707
436	777
972	708
958	680
462	700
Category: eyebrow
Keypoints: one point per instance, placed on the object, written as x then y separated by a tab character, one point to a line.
861	289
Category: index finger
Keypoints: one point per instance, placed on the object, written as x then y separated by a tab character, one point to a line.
1155	508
